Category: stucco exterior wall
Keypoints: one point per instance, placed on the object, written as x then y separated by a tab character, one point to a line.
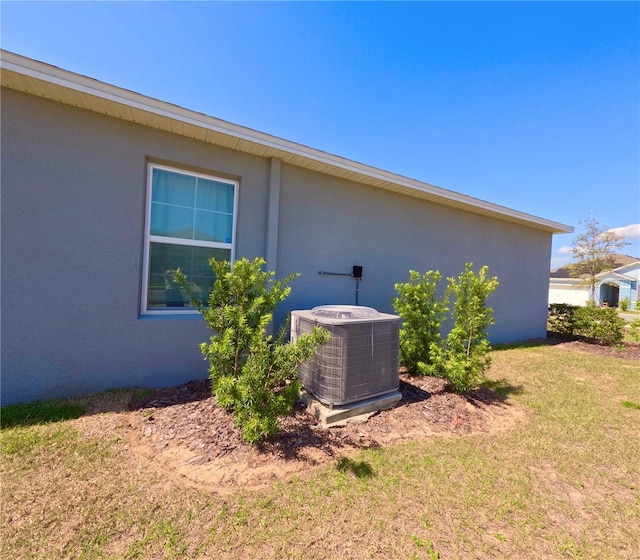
73	207
328	224
73	203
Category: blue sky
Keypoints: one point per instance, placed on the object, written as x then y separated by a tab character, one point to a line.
531	105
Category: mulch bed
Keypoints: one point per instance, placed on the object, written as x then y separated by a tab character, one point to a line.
189	416
186	424
628	351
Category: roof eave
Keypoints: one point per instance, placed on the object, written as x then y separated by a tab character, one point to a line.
630	265
37	78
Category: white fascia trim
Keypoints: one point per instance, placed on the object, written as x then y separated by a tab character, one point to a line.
565	281
96	88
614	275
632	266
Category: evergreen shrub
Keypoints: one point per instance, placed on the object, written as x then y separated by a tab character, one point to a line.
252	374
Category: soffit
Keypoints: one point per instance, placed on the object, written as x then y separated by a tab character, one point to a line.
35	78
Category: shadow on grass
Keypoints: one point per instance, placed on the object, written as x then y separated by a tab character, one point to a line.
361	469
551	340
41	412
112	400
500	389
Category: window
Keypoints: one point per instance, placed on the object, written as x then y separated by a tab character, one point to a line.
190	218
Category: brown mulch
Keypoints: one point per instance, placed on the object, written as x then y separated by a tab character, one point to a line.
182	430
629	351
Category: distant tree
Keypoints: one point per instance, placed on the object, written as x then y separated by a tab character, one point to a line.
594	252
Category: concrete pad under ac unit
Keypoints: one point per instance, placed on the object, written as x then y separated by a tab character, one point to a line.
352	412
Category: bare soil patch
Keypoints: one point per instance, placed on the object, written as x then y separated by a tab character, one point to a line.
182	431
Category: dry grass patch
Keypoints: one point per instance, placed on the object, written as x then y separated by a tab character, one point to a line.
563	482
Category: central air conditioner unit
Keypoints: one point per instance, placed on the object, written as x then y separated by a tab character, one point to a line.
359	362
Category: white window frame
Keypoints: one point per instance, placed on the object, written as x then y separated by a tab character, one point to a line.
148	238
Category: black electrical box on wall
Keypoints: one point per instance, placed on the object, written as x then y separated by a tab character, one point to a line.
357	271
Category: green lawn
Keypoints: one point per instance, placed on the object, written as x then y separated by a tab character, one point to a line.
563	483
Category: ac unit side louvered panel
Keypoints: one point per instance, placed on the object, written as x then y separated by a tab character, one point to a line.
360	360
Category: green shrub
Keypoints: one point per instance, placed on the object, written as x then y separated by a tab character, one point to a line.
634	330
251	374
422	314
561	318
268	386
463	356
601	325
624	304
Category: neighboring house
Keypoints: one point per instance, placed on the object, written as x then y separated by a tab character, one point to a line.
105	191
612	286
